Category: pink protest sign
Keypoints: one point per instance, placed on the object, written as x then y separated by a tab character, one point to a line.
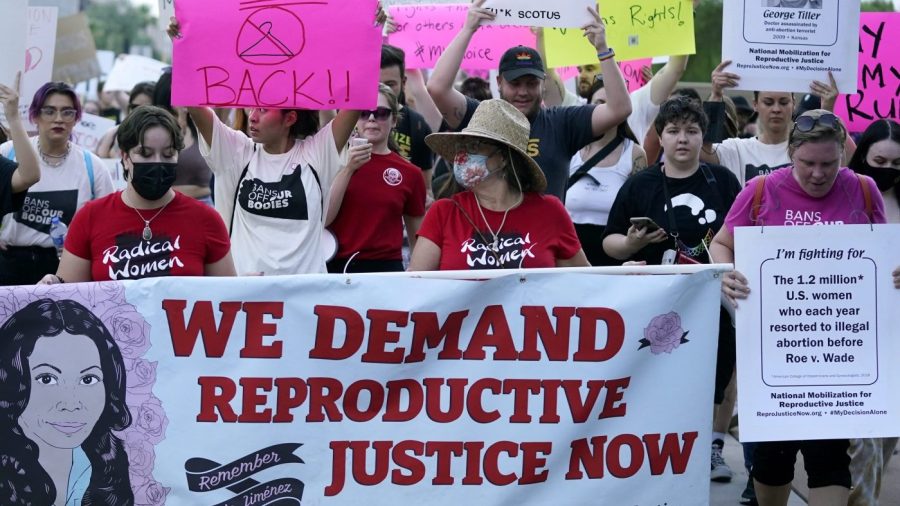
277	54
879	73
632	70
424	31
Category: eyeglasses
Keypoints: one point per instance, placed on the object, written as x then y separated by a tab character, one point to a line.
807	123
67	114
380	114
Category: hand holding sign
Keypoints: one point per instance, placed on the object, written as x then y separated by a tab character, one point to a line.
828	92
721	79
477	16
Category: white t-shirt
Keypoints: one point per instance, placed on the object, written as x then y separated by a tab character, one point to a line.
61	192
591	197
748	158
277	224
643	111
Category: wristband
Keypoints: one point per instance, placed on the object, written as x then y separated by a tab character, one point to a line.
606	55
60	279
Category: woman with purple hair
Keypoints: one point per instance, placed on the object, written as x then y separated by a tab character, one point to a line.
69	177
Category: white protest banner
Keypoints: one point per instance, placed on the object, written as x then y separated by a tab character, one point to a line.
786	48
90	129
166	11
816	339
559	14
531	388
130	69
41	47
13	33
106	59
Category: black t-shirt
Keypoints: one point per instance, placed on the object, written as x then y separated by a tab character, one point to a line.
557	133
699	206
410	134
9	201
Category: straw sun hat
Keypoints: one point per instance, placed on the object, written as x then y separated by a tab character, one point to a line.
499	121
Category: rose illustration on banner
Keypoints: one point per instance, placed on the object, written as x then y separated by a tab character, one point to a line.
129	329
664	333
131	333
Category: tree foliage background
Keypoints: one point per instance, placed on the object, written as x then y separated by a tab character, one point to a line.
117	26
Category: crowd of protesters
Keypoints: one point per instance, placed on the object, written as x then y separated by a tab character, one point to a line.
537	177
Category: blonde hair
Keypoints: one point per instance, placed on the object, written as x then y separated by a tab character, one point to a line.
819	132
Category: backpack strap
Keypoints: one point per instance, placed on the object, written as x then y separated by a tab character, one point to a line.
12	154
757	199
867	196
89	164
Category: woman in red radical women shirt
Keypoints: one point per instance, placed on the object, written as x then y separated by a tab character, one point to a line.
147	229
497	217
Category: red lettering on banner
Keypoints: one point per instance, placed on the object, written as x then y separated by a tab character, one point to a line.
403	460
474	403
202	323
291	394
353	459
250	400
325	348
365	399
443	451
321	402
215	394
427	332
598	456
492	330
380	336
392	411
521	388
587	334
457	388
257	329
537	323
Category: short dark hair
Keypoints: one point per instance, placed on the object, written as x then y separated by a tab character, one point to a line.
476	88
53	88
144	88
680	110
393	56
131	132
307	123
690	93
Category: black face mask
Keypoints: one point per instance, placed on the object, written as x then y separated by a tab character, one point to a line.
885	178
152	180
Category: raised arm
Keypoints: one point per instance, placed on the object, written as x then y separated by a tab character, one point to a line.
720	79
664	82
618	102
342	127
415	87
448	99
28	172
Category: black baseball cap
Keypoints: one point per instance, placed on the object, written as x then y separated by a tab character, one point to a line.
520	61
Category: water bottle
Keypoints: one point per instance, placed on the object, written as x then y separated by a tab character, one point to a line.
58	231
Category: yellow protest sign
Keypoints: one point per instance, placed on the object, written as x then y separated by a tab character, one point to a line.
634	28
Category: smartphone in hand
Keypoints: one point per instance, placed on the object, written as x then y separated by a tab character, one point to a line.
645	223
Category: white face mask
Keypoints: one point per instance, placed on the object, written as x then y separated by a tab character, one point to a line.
470	169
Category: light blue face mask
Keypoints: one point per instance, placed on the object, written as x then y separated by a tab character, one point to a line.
469	169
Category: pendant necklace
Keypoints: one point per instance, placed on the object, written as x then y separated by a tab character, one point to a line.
53	160
147	234
496	236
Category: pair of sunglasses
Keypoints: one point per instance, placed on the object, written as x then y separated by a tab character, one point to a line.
807	123
380	114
